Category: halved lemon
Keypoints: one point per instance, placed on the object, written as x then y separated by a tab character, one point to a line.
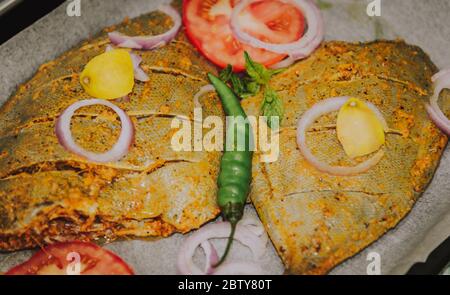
109	75
359	129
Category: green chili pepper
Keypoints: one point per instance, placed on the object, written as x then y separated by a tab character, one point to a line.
236	165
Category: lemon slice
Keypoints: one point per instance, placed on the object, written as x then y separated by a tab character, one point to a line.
359	129
109	75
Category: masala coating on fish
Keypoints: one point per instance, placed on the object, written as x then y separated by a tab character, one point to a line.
316	220
48	194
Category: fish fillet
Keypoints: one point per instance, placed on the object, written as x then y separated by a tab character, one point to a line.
48	194
316	220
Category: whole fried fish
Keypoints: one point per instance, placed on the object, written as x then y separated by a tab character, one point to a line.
317	220
48	194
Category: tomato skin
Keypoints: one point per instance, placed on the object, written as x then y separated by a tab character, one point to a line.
52	260
214	39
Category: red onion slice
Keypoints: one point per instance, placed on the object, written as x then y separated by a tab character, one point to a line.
436	118
118	151
257	228
220	230
203	90
296	50
212	258
228	268
322	108
139	73
441	81
440	75
287	62
150	42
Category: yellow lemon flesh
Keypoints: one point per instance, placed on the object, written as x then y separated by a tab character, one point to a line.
359	129
109	75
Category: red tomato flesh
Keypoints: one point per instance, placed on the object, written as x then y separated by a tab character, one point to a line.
58	259
207	26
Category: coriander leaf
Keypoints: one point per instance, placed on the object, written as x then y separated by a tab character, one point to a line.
256	71
238	84
277	71
253	87
225	74
243	87
272	106
250	84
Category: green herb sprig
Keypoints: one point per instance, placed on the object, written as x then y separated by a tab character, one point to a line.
256	78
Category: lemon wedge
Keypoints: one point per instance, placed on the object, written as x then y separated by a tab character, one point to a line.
109	75
359	129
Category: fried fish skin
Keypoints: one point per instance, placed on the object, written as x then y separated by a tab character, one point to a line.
316	220
48	194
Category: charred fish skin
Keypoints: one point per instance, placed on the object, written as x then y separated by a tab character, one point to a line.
316	220
48	194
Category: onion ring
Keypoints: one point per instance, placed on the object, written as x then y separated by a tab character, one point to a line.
296	50
212	258
139	73
437	119
120	148
203	90
219	230
441	81
287	62
150	42
257	228
324	107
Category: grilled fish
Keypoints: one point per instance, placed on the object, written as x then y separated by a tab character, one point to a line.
48	194
316	220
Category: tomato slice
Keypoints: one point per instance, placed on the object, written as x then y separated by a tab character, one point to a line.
207	25
61	259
